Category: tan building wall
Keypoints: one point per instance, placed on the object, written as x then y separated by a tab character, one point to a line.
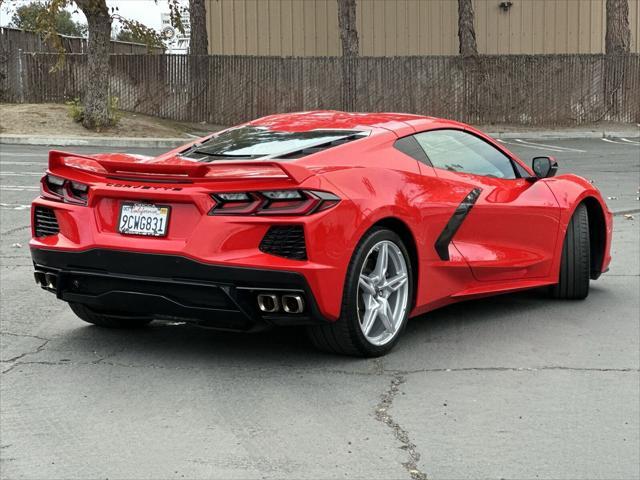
409	27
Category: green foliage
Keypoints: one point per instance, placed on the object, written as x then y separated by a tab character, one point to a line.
136	32
75	110
31	17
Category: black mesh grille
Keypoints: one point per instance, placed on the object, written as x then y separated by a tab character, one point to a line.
45	222
285	241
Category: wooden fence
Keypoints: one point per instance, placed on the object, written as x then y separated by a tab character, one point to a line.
13	41
514	89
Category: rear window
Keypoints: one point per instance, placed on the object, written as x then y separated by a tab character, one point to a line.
256	142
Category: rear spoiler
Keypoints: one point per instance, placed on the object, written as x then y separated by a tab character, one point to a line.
180	169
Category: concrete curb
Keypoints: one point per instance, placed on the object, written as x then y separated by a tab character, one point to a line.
119	142
564	134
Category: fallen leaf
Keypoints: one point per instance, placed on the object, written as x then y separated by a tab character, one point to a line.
628	217
17	245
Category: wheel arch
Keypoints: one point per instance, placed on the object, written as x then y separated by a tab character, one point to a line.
406	235
597	234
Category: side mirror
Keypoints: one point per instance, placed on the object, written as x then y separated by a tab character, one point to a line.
544	167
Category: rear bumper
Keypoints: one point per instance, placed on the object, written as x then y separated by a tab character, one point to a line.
172	287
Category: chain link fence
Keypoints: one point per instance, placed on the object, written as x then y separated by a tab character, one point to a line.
548	90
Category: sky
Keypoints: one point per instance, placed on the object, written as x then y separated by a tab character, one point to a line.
145	11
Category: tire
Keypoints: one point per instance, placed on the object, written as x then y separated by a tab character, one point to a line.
108	321
346	336
575	264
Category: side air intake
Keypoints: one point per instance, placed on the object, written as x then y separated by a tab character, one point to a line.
285	241
45	222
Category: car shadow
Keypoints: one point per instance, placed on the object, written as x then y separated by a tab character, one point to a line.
180	345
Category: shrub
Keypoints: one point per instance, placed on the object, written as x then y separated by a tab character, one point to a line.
76	110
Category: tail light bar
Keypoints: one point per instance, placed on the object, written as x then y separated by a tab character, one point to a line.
61	189
273	202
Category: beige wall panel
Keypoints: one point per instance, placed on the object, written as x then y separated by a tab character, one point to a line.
634	23
287	27
239	27
410	27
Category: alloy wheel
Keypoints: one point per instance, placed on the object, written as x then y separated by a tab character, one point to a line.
383	293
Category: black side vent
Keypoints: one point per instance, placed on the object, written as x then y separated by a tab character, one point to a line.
45	222
285	241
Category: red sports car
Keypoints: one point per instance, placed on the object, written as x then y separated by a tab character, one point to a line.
347	223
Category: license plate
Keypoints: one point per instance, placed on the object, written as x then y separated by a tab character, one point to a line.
143	219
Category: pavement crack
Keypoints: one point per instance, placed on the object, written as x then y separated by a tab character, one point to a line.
382	414
25	335
15	360
17	229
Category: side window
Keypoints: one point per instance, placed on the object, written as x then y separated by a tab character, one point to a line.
460	151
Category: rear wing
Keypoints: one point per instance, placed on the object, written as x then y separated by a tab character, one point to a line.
176	169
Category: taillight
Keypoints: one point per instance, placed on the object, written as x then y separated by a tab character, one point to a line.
272	202
63	190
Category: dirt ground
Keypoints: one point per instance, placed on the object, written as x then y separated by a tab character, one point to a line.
53	119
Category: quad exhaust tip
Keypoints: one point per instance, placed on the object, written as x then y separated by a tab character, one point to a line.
46	280
288	303
268	303
292	303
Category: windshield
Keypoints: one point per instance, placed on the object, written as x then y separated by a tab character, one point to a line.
254	142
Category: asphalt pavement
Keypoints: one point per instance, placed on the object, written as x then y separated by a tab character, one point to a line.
515	386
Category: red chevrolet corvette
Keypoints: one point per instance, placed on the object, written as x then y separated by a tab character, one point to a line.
347	223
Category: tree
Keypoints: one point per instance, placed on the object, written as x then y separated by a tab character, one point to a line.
350	50
96	101
199	41
99	21
618	36
348	28
466	29
126	35
26	17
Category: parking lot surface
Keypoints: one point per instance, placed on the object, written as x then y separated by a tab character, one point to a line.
515	386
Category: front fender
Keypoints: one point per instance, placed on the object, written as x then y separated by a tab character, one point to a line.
572	190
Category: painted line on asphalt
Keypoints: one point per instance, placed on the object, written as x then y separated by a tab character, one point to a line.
608	140
21	174
562	149
546	149
38	164
14	206
19	188
44	155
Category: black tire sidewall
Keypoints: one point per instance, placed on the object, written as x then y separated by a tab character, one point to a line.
350	296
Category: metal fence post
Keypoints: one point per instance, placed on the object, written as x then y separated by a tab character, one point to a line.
20	77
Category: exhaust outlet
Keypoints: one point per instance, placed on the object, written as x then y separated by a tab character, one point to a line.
51	280
292	303
268	303
39	278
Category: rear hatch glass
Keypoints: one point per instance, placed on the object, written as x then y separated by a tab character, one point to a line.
259	142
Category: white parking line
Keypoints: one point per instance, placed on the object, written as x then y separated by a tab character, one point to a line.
19	188
608	140
43	155
21	174
562	149
546	149
14	206
38	164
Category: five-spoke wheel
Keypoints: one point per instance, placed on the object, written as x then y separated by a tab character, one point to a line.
383	292
376	299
